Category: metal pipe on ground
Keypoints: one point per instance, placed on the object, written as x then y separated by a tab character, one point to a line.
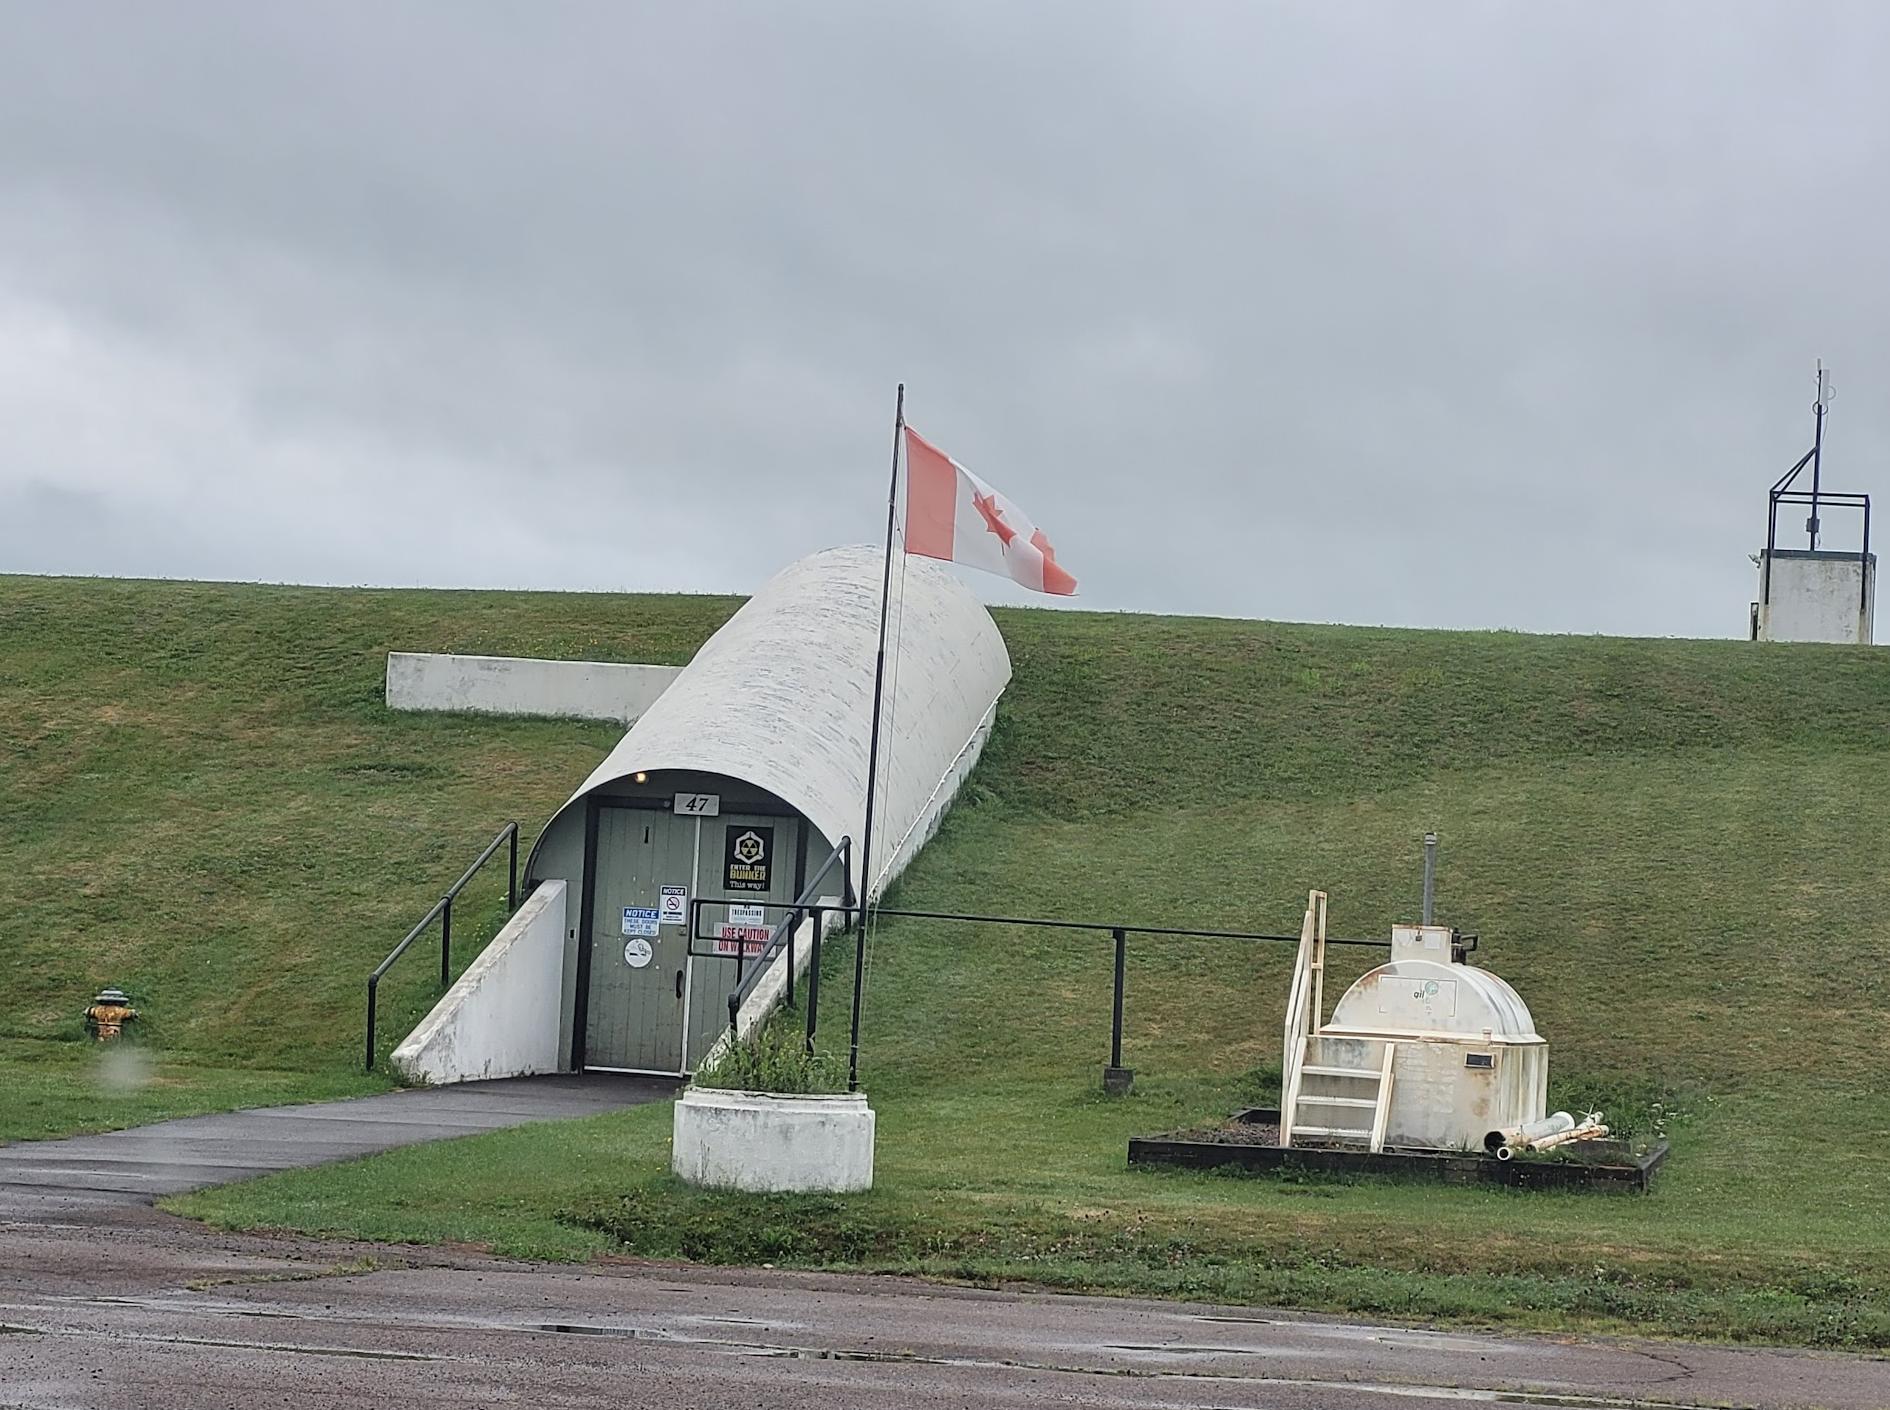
1587	1131
1532	1136
1529	1132
1580	1133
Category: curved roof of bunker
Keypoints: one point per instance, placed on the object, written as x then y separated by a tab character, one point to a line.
782	696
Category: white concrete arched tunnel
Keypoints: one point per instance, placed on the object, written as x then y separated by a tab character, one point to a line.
737	783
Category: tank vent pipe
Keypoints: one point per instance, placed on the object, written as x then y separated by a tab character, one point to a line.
1430	876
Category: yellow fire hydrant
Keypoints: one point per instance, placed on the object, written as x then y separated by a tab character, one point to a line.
109	1014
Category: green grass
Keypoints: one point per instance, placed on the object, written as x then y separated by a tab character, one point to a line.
999	1159
204	801
1673	849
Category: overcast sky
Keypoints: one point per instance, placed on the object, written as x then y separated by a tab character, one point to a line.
1444	315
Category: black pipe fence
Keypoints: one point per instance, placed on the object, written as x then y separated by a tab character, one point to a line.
852	913
443	912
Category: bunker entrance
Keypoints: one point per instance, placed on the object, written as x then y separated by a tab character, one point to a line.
644	1004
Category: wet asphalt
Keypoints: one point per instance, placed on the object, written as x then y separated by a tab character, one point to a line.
105	1301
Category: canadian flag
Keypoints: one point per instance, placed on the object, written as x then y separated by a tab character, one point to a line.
952	514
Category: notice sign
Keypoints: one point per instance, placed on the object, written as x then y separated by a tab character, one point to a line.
747	858
639	920
748	940
675	906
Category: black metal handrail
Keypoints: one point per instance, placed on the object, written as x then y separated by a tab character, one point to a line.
443	912
782	936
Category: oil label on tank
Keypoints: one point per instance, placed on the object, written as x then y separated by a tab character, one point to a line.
1417	996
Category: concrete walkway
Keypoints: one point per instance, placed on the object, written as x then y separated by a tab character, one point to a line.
86	1177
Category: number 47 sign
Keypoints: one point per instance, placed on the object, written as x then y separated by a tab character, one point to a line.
697	805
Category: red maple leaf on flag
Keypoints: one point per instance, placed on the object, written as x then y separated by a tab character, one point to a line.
987	506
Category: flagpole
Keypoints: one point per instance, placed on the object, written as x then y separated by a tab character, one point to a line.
872	754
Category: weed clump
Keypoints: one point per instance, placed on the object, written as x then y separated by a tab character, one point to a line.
776	1060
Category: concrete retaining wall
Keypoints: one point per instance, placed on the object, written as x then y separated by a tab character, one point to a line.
501	1018
520	685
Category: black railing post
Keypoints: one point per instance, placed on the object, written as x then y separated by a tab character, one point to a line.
793	924
1116	1078
374	981
1863	567
813	981
848	896
1115	1022
443	908
856	917
859	984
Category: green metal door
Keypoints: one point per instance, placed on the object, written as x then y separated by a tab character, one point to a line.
639	970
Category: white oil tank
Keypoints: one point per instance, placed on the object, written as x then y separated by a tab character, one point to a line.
1467	1058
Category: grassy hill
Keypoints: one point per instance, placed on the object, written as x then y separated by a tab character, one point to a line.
204	801
1673	849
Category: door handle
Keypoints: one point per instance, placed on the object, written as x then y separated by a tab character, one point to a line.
679	975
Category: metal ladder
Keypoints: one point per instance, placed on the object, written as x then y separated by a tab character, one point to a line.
1370	1099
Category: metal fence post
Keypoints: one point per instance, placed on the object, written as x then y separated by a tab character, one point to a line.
813	981
446	940
794	924
1117	1079
1115	1021
511	882
372	984
859	984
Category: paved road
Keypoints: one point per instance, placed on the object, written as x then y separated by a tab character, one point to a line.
104	1301
90	1175
165	1317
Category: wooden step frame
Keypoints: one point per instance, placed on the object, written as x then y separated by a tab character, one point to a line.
1305	1021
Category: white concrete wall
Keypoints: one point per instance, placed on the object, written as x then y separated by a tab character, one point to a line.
500	1019
520	685
1816	596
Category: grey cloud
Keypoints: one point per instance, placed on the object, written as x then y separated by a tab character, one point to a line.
1449	315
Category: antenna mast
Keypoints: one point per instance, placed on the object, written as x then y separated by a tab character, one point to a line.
1817	447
